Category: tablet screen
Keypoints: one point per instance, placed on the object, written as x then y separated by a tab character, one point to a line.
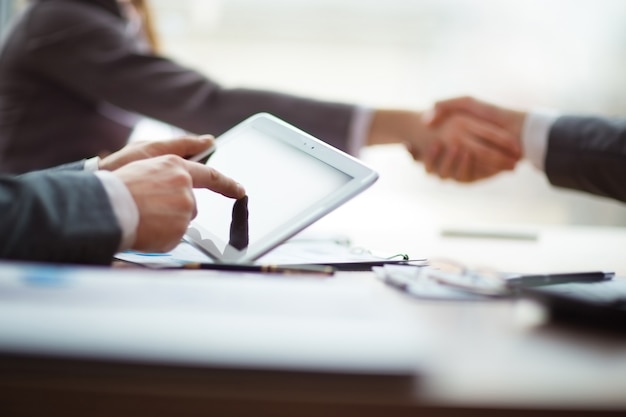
288	187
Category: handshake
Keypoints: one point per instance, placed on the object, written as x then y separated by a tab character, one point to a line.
466	140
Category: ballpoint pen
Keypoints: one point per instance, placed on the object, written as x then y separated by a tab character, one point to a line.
269	269
523	281
365	265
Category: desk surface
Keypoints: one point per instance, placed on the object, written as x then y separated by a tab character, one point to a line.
482	358
490	357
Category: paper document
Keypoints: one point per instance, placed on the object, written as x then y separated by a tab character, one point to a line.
302	249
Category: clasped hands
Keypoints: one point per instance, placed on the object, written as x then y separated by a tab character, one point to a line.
468	139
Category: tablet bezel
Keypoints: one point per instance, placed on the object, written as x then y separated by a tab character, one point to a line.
361	175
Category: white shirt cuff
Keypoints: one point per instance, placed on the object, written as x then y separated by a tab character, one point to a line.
124	207
359	129
92	164
535	134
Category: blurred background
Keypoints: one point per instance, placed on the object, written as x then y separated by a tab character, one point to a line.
564	54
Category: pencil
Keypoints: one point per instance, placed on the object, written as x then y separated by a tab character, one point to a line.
267	269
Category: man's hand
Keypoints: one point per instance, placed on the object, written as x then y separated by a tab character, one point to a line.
470	149
184	147
162	190
491	131
455	146
510	120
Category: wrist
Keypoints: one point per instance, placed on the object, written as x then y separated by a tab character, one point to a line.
395	126
123	205
518	119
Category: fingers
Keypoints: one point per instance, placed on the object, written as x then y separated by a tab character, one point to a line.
465	168
448	162
184	147
494	136
460	166
456	164
444	108
161	188
467	159
206	177
486	158
189	146
431	159
508	119
413	150
467	149
489	156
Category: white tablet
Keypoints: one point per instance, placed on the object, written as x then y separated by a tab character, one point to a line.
291	178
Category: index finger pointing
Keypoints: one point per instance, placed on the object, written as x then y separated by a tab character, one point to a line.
204	176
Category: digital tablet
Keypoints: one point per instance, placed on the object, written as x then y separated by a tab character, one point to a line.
291	178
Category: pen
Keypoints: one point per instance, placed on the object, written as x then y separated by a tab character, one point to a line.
268	269
519	281
365	265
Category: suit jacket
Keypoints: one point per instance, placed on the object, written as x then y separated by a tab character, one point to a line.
58	215
588	154
69	67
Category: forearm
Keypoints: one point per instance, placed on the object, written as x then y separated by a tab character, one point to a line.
62	217
396	126
105	67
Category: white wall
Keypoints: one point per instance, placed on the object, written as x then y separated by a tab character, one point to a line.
565	54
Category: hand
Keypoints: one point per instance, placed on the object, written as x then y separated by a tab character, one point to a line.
510	120
455	162
184	147
470	149
449	149
162	190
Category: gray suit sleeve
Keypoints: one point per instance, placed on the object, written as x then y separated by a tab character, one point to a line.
57	216
72	166
90	53
588	154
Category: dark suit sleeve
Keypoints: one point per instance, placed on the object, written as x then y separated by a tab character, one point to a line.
57	216
72	166
90	53
588	154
